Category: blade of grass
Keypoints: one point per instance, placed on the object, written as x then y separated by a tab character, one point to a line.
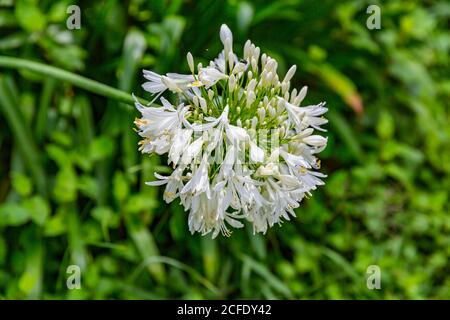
265	273
245	278
176	264
138	292
85	120
267	293
257	242
210	257
44	104
21	134
31	280
345	131
346	267
76	242
145	245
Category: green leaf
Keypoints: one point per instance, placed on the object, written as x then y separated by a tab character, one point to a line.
88	186
22	135
120	187
13	41
385	126
75	237
21	184
56	225
177	223
104	215
59	155
12	214
38	208
65	189
139	202
210	257
336	184
3	250
30	282
101	147
29	16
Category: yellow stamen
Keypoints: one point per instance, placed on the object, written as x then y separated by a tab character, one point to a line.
146	140
169	194
140	122
195	84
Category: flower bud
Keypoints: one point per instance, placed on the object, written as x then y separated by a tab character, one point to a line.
232	83
251	85
190	61
290	73
210	94
300	96
225	33
239	67
203	104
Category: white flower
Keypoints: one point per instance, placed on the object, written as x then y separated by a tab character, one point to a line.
173	184
158	126
154	85
199	182
256	153
192	151
315	141
304	117
179	145
173	81
210	75
220	62
241	145
235	134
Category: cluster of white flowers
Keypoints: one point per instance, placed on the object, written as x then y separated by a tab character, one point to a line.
240	144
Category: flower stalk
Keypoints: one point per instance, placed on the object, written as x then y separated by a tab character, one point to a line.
69	77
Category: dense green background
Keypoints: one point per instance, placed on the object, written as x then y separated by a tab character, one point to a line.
71	178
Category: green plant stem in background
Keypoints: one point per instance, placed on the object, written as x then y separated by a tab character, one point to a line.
66	76
44	104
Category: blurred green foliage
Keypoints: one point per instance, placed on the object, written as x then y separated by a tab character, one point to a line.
71	187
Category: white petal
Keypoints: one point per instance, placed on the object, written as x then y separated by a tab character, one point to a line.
256	153
225	33
315	140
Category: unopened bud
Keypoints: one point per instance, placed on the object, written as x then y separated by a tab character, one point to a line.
210	94
232	82
290	73
203	104
190	61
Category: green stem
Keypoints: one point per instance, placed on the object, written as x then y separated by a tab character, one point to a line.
66	76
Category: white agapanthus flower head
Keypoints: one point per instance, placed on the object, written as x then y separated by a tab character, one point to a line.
241	145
